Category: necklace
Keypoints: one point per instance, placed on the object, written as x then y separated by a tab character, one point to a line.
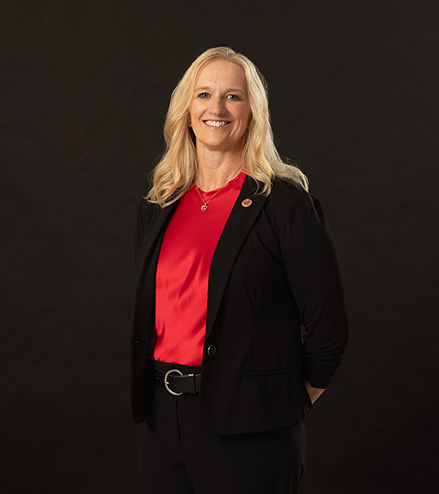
204	206
205	203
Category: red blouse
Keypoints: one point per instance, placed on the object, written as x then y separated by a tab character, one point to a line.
183	272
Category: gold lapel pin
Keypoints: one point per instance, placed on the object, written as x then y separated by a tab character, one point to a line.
246	203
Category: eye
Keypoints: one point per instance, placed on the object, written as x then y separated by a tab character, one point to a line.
233	97
203	95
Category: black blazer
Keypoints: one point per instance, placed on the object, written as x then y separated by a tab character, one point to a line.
274	275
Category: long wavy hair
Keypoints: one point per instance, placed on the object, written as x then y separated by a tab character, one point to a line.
176	171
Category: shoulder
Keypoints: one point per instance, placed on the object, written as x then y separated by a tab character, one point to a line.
287	195
289	202
285	190
147	211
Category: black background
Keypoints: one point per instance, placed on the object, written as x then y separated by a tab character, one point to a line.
85	86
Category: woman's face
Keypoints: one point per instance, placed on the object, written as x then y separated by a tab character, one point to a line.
220	112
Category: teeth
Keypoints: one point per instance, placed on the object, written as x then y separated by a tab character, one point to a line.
216	123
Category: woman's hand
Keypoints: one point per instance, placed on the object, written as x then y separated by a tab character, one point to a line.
314	393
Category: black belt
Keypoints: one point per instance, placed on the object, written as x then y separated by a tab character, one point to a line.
177	383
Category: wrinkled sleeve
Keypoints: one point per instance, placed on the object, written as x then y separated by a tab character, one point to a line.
313	271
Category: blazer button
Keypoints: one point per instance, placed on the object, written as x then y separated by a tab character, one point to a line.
211	350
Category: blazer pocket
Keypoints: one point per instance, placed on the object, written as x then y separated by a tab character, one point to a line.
268	373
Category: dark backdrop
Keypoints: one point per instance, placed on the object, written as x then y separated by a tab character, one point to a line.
85	87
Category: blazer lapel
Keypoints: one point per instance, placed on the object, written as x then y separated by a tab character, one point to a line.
235	231
150	240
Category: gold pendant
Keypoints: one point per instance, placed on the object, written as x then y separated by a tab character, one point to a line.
204	208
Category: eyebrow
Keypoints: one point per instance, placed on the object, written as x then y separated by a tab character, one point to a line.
230	90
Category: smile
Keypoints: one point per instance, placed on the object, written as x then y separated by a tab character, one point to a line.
216	123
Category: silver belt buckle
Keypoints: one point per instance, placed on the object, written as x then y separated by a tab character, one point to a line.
166	383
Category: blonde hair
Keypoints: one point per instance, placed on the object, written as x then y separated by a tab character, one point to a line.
177	168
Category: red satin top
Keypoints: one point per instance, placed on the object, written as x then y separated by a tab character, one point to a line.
183	272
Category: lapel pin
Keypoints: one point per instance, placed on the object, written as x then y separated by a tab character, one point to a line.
246	203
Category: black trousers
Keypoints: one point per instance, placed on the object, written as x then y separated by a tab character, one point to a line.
177	456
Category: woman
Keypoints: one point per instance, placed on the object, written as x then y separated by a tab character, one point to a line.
233	259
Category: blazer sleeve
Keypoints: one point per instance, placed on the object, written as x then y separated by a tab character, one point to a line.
313	271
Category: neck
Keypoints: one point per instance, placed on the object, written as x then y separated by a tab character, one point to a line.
216	169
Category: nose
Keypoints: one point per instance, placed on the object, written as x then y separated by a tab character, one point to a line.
217	105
